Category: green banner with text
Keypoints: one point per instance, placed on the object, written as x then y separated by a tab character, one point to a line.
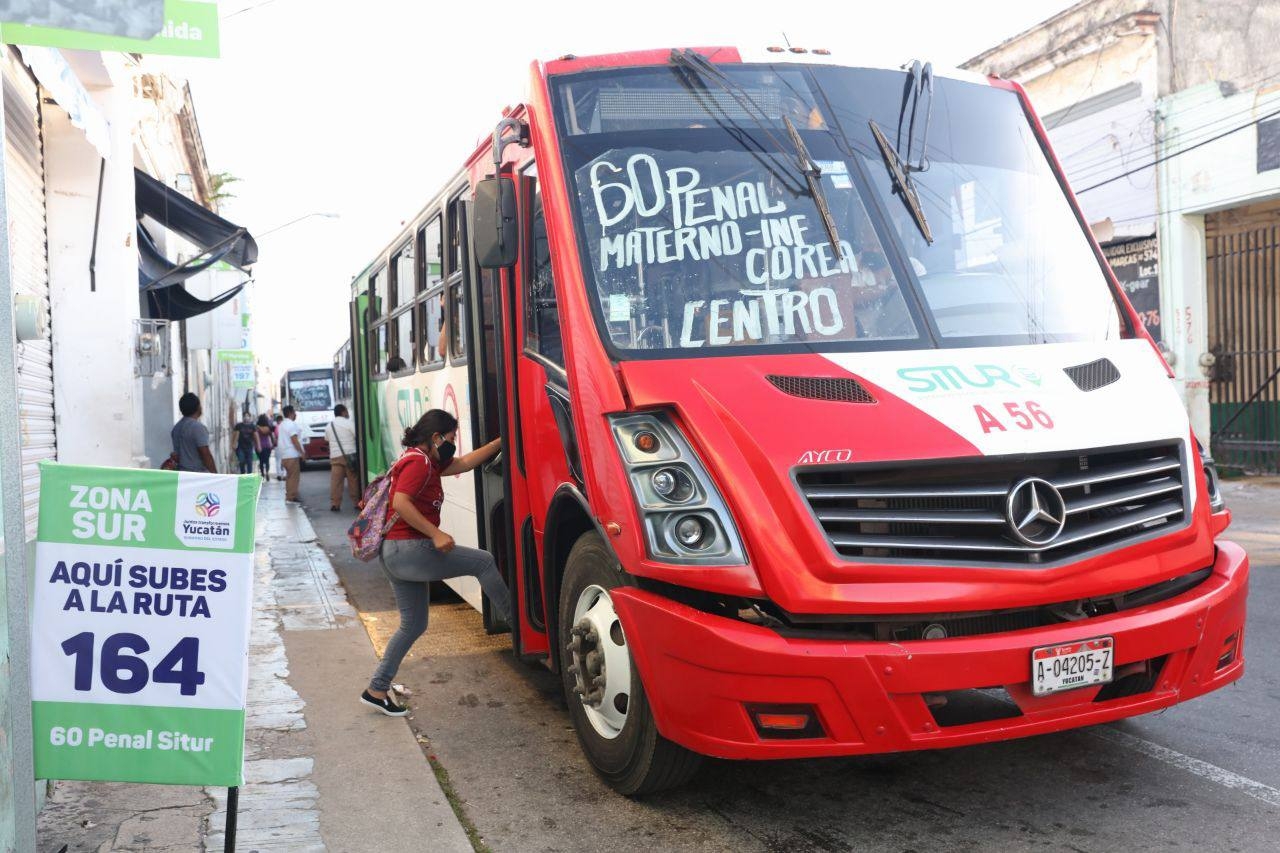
190	29
140	625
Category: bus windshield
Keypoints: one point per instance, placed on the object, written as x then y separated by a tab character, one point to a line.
311	390
701	231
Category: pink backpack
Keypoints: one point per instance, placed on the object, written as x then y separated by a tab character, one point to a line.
370	527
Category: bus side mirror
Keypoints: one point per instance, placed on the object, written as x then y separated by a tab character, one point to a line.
495	237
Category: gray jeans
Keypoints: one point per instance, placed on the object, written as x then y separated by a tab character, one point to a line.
410	565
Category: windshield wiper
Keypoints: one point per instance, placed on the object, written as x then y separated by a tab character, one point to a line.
813	177
808	167
919	83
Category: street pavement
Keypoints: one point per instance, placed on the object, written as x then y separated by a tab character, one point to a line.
322	772
1203	776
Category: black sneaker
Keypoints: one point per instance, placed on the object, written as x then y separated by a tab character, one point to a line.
386	706
334	509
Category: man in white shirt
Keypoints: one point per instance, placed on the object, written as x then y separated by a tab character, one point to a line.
341	435
291	453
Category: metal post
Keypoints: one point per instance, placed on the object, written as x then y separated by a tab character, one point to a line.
16	762
229	834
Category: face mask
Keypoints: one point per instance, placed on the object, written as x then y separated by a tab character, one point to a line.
445	451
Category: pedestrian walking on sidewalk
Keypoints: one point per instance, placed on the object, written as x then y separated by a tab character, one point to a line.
264	441
191	438
277	468
416	551
291	453
341	435
243	431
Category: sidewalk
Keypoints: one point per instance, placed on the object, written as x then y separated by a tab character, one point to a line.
322	772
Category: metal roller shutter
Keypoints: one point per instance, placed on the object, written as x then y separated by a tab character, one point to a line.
29	272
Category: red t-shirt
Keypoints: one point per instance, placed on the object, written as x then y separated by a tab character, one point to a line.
419	478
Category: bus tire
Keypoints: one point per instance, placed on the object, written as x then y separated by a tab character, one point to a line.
620	738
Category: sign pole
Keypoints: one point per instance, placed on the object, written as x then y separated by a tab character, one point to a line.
233	805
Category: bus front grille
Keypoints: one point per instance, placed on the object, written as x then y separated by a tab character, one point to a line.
1000	510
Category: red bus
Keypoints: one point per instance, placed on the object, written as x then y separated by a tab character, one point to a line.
828	429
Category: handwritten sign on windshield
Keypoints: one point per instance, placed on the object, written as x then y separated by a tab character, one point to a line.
720	248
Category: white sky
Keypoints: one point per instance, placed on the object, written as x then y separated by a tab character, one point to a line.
364	109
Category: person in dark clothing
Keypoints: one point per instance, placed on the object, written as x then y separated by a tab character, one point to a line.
191	438
264	439
244	431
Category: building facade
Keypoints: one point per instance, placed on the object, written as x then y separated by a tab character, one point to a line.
111	246
1159	113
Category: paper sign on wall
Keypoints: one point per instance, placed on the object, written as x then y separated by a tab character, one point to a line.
140	628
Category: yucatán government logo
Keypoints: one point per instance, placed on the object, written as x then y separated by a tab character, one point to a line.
206	511
207	504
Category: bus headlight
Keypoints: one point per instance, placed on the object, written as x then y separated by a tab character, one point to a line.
685	518
690	531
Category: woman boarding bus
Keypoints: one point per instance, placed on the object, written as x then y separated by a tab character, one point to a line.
824	416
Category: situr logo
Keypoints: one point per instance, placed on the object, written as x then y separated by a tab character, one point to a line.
952	377
207	504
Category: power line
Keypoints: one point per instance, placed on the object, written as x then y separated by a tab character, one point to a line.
1182	135
1165	157
1101	163
1217	204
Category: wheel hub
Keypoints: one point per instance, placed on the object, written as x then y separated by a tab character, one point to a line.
599	662
588	663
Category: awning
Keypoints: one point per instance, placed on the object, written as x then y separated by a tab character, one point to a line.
176	303
216	239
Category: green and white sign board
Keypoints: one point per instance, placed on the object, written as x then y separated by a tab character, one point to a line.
242	372
190	29
140	625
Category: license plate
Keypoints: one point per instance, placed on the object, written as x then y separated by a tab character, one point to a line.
1070	666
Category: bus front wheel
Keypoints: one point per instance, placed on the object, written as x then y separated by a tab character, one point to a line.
602	688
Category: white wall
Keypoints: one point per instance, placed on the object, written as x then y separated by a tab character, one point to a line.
98	410
1217	176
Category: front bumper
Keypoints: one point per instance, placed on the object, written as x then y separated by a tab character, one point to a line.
316	449
700	671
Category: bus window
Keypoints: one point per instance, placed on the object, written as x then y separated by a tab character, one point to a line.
431	348
380	305
542	321
431	271
381	352
456	212
401	343
457	316
457	321
402	278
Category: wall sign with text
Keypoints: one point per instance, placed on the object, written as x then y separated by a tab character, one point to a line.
1136	264
140	628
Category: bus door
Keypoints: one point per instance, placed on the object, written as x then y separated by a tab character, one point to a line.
548	445
501	495
356	370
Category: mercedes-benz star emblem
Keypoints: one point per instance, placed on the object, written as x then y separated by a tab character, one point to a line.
1035	511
